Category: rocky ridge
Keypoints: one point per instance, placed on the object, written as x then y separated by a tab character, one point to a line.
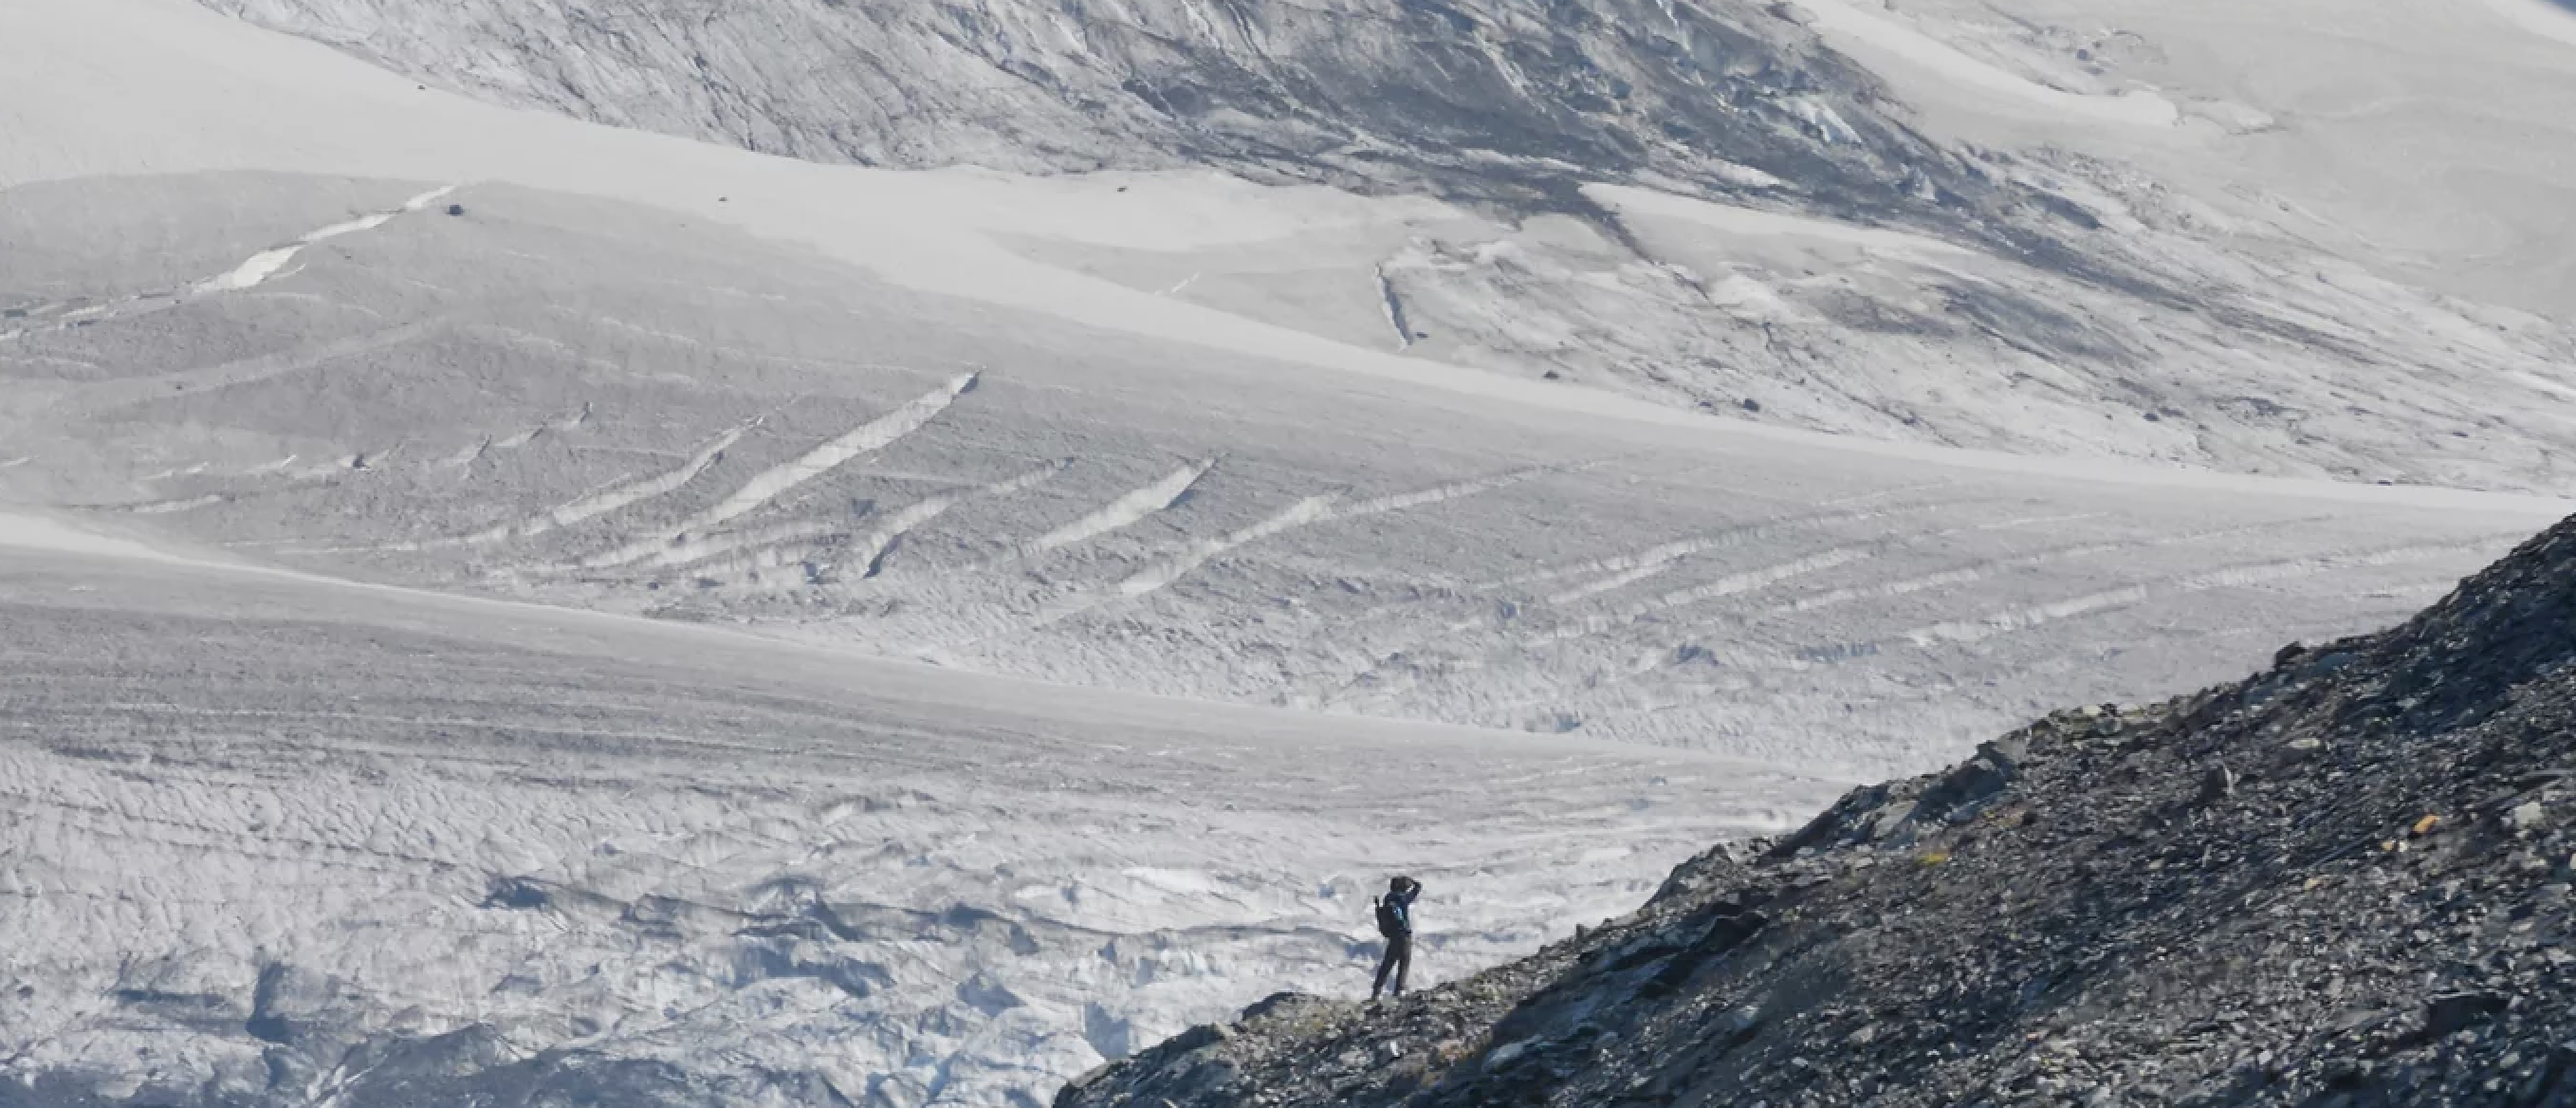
2342	882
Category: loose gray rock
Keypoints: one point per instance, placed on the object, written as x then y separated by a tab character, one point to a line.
2217	785
2444	1015
2062	919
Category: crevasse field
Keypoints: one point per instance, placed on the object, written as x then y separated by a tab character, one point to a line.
503	608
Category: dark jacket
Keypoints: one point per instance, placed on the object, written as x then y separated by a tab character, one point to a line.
1397	908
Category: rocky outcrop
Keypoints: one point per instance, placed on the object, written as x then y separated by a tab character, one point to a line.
2343	882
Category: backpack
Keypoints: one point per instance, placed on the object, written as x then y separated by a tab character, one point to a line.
1391	921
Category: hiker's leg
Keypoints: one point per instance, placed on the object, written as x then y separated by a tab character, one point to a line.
1385	963
1401	950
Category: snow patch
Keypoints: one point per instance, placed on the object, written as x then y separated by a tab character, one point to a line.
1754	223
869	554
867	438
1846	23
266	264
30	532
1124	512
2540	17
612	499
2022	619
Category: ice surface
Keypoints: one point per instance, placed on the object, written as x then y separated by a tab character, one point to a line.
1854	29
2424	143
524	402
770	866
302	840
2195	246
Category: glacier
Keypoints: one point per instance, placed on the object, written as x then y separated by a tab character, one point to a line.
504	605
2187	235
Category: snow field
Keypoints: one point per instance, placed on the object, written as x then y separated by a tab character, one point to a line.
299	839
473	403
372	817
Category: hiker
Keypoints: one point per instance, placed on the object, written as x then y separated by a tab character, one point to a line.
1395	921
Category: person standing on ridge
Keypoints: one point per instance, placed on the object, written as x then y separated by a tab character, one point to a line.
1395	921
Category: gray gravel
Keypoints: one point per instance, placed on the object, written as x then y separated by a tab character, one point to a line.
2341	882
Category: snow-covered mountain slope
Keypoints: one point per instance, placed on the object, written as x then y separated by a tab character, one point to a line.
1491	99
2428	141
981	459
2166	244
277	841
920	414
586	403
